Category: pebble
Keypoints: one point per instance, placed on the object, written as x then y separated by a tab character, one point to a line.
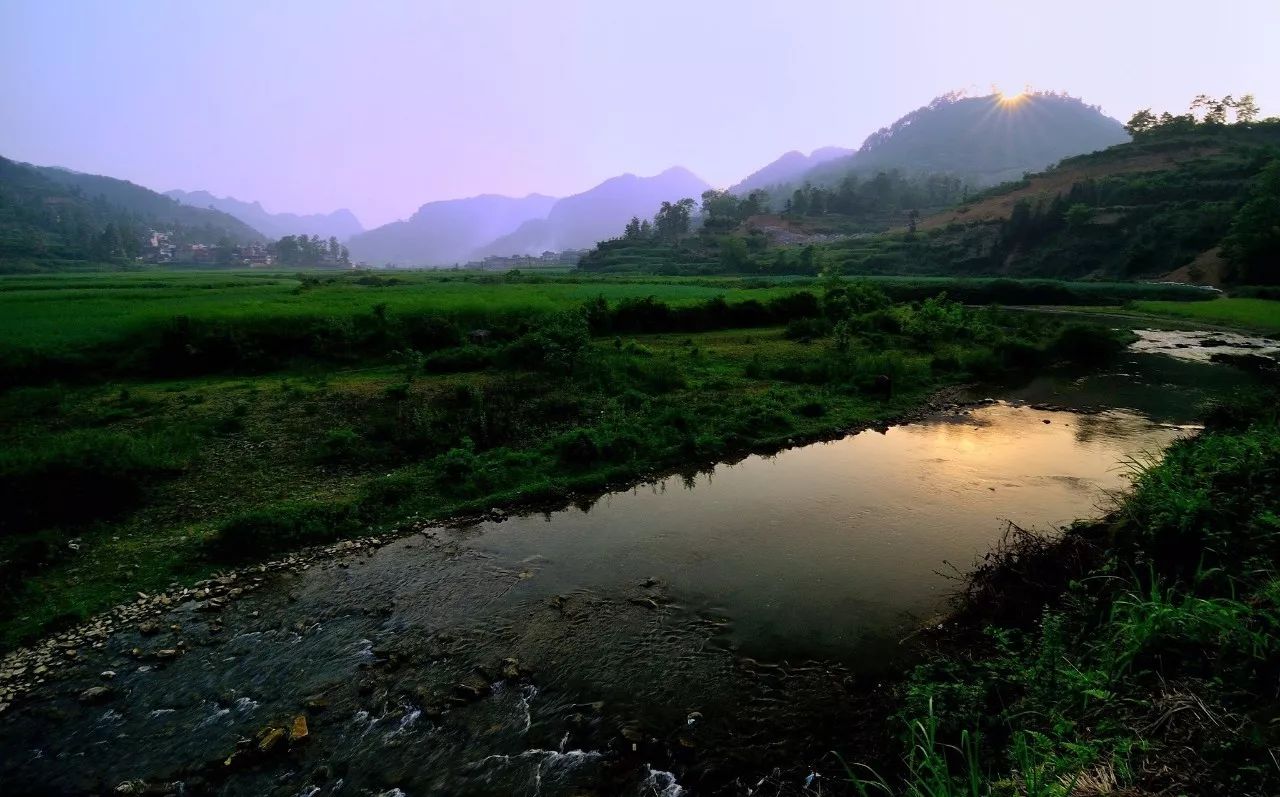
24	668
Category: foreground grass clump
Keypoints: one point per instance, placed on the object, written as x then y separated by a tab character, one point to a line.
1131	657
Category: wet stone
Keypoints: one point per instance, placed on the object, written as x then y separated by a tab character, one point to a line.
270	739
96	694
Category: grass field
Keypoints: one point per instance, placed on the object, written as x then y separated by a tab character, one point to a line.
48	312
72	311
1262	315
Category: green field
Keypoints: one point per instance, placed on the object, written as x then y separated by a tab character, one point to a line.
1262	315
59	312
205	418
52	311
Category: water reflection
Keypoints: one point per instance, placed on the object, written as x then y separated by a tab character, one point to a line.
815	548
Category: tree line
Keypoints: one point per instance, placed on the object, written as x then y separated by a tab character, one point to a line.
1203	110
299	250
884	192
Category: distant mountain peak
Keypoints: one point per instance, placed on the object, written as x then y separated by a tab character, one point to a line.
787	168
341	223
582	220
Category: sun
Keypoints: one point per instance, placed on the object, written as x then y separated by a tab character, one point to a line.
1011	97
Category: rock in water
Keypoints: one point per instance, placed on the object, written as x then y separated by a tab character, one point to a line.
95	694
270	740
298	732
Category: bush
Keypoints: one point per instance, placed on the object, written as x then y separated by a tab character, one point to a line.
1087	343
280	527
806	329
462	358
81	476
340	444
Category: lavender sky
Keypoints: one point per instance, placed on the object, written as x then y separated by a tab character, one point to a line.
380	106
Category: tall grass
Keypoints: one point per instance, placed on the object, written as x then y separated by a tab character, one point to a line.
1148	671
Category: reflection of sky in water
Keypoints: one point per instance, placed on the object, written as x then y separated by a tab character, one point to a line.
1165	376
817	546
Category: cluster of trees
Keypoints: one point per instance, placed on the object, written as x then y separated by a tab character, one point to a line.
1252	246
723	211
673	221
299	250
885	192
1204	110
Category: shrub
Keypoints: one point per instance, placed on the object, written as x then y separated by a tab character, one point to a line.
462	358
81	476
279	527
340	444
1087	343
806	329
576	448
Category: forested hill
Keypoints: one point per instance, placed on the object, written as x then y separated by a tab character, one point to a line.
50	214
789	168
984	140
1195	203
1185	200
145	204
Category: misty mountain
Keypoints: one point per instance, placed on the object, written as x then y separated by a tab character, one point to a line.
447	232
341	224
146	205
49	213
788	169
582	220
986	140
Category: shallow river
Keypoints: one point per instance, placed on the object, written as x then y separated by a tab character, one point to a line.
697	634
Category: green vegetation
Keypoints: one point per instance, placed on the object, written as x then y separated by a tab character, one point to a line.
1238	312
1128	657
1259	314
299	250
84	327
1195	199
55	220
227	417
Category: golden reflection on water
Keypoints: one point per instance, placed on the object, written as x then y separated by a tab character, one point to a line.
819	545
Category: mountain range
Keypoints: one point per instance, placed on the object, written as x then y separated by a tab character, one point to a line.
461	230
448	231
340	224
985	140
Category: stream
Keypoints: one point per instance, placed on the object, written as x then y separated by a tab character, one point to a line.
699	634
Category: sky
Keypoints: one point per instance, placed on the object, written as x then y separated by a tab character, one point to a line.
379	106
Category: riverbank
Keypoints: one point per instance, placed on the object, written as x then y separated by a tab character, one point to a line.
180	477
1232	314
714	627
25	668
1126	656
